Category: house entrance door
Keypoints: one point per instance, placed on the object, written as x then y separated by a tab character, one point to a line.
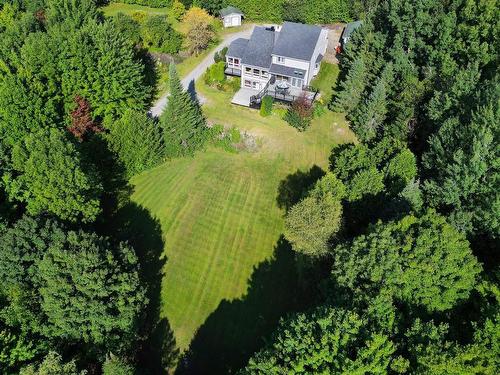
297	82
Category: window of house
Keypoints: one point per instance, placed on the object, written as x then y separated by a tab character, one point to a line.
237	62
317	65
248	83
281	59
230	60
265	74
281	78
256	72
248	70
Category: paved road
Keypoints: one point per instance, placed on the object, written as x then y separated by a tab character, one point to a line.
190	79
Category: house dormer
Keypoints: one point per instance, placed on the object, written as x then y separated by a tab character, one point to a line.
281	60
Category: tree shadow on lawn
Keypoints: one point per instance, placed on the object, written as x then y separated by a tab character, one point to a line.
295	186
157	351
237	329
125	220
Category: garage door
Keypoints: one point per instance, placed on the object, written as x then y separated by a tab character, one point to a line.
236	20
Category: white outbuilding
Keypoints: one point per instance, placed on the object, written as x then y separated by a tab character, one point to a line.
231	16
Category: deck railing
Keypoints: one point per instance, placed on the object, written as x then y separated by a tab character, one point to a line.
233	71
282	95
257	98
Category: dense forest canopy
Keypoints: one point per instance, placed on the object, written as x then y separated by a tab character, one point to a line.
413	286
397	243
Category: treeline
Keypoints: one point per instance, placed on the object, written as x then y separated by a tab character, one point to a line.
75	294
311	11
149	3
399	239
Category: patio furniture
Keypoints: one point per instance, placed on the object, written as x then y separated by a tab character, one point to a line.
282	88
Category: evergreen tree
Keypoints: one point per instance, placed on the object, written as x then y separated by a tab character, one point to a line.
351	89
463	169
184	127
369	116
52	364
115	366
75	11
137	140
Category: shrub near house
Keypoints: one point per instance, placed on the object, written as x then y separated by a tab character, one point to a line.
266	106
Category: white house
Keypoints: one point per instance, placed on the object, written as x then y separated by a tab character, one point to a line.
279	62
231	16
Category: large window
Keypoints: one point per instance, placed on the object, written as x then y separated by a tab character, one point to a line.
282	78
297	82
257	73
233	63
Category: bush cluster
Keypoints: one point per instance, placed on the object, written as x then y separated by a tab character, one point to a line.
215	74
266	106
225	138
300	113
149	3
220	55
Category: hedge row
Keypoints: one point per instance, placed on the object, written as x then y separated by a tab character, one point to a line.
149	3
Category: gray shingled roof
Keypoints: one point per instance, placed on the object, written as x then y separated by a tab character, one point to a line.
297	41
237	48
230	10
349	29
287	71
259	48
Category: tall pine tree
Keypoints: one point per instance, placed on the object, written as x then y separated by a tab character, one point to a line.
182	122
351	88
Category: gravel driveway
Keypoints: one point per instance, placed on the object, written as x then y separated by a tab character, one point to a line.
190	79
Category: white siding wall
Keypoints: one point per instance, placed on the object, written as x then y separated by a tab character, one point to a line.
293	63
320	49
251	77
232	20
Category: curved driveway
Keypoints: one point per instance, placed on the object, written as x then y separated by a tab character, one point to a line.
190	79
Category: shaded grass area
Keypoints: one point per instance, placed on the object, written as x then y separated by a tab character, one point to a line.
229	275
325	80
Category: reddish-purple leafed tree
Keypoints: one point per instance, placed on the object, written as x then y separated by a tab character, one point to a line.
81	119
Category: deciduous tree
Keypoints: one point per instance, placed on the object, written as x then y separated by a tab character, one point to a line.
200	29
327	340
81	119
311	223
422	261
49	176
158	33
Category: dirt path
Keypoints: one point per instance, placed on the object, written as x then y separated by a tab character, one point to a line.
190	79
334	33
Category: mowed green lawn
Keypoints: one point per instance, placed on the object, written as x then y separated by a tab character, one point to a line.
113	9
218	211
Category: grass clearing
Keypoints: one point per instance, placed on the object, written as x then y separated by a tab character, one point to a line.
325	79
219	213
113	9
